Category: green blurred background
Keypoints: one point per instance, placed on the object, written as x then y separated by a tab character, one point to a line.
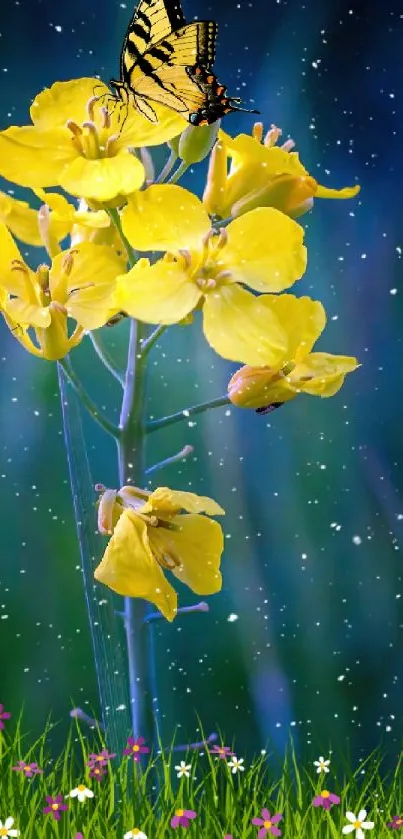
306	635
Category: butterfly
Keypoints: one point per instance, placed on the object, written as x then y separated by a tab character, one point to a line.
168	61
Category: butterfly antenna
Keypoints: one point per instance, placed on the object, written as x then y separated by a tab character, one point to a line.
244	110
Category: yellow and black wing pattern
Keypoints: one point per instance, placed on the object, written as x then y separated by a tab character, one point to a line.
168	61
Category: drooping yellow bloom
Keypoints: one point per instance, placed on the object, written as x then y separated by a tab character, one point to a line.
83	224
208	270
261	174
150	534
299	370
80	284
76	143
22	221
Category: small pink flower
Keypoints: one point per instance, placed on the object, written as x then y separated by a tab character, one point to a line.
326	799
100	759
55	805
221	751
97	772
29	769
182	818
4	715
267	823
135	747
396	823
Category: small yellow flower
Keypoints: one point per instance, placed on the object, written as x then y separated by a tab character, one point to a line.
149	534
205	269
76	143
79	284
299	370
83	224
261	174
22	221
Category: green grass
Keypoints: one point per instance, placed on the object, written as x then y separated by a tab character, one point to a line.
146	796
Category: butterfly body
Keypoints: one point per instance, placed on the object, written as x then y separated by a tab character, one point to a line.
167	61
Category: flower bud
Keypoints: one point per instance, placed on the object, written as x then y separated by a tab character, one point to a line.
258	387
214	193
196	142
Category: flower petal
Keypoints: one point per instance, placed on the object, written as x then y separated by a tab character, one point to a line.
348	828
198	544
129	568
165	217
23	312
169	501
161	293
65	101
35	158
264	250
349	815
302	318
346	192
103	178
20	219
242	327
325	373
90	296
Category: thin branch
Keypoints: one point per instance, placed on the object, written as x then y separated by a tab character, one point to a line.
92	409
179	172
185	452
149	342
106	359
167	169
198	607
155	425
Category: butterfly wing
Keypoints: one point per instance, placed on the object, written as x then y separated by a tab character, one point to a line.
167	61
176	73
152	21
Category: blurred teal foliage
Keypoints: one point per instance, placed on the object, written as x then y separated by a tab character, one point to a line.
307	633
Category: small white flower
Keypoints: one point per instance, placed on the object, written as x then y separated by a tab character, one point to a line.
81	792
322	765
236	765
183	769
5	828
358	824
134	833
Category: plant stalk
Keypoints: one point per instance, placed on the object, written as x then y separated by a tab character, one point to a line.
131	456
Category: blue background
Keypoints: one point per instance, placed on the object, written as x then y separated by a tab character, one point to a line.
317	644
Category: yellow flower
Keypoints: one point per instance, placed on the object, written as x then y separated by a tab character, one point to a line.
76	143
23	222
208	270
83	224
299	370
261	174
151	533
80	284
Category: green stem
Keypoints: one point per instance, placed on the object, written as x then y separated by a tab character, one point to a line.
155	425
149	342
104	356
167	169
92	409
179	172
132	471
115	218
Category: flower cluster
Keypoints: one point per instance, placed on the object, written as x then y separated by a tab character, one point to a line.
121	241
